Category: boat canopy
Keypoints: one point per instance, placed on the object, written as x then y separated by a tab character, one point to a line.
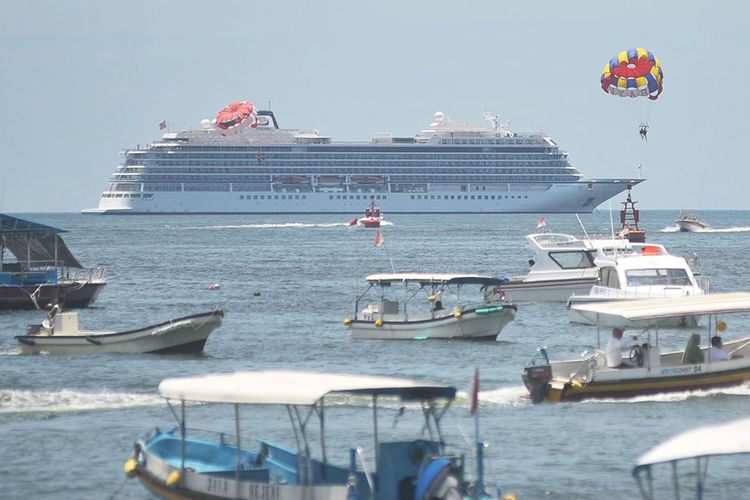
292	387
450	279
723	439
31	241
655	309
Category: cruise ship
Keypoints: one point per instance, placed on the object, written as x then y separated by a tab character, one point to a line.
448	167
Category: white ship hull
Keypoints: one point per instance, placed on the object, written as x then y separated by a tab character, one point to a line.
580	197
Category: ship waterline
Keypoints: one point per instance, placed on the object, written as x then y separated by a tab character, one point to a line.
446	168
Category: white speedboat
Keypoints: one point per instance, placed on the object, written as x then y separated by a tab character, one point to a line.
62	335
651	371
563	265
416	306
697	445
645	271
689	223
185	463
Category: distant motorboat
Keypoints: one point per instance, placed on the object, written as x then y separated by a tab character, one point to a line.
373	217
60	334
689	223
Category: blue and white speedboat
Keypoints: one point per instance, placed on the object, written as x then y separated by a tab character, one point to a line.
180	464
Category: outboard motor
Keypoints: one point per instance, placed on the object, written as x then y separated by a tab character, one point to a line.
537	376
439	481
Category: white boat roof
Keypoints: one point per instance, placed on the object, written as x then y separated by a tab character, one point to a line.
722	439
292	387
432	278
695	305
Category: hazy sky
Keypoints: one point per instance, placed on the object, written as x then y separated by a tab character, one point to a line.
82	80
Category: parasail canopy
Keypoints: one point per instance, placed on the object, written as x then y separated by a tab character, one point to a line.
633	73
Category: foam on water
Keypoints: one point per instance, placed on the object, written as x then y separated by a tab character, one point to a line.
738	229
66	401
264	226
511	396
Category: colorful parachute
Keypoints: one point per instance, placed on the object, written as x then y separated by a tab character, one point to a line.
633	73
237	115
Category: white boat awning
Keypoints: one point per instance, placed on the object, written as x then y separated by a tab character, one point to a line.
723	439
461	279
292	388
654	309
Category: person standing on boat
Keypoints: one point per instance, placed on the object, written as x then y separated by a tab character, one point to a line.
614	348
717	353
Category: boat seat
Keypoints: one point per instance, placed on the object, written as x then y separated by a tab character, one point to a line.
693	354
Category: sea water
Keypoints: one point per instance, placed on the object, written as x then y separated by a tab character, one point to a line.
67	423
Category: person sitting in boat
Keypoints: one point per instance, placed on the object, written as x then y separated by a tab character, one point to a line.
531	263
693	354
717	353
614	350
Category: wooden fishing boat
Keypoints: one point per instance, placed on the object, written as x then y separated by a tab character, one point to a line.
409	306
182	464
60	334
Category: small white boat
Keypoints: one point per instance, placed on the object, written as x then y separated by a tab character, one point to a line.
645	271
187	463
697	445
650	370
689	223
63	336
416	306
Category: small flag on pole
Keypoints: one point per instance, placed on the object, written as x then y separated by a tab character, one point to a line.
541	222
475	392
378	238
163	125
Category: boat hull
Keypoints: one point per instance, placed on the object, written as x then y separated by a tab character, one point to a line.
470	325
78	295
649	385
547	290
183	335
690	227
574	197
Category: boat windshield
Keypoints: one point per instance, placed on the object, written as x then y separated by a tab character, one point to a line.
573	260
663	277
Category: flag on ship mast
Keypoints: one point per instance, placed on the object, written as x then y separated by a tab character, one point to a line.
378	239
163	125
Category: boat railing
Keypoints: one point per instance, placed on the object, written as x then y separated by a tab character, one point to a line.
40	272
657	289
83	275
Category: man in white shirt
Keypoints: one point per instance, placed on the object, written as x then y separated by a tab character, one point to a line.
716	353
613	351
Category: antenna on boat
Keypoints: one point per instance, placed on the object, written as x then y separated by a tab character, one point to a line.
582	227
